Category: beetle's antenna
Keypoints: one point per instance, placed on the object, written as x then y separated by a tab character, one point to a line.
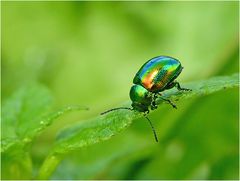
116	109
154	132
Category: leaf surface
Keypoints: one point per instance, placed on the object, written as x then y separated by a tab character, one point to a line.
104	127
24	116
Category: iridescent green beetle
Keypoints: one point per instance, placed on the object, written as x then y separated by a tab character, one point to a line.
156	75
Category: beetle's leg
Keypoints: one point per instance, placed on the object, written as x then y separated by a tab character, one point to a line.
167	100
153	103
146	113
169	86
170	102
177	85
180	88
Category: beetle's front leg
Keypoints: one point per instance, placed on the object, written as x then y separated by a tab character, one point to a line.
146	113
153	103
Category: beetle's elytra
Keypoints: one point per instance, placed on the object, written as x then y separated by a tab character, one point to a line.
156	75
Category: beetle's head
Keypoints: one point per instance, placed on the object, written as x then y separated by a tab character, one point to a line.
141	98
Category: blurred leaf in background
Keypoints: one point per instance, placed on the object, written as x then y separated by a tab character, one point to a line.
89	52
19	124
24	116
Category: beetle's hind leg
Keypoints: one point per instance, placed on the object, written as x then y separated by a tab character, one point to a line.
177	85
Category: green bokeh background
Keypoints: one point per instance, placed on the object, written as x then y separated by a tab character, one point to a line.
87	53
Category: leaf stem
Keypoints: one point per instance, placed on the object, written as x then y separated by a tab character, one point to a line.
49	165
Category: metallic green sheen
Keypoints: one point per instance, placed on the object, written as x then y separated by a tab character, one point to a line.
139	94
141	98
158	73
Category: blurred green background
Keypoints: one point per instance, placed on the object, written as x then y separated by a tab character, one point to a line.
87	53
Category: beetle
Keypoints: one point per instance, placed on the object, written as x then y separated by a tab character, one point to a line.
155	76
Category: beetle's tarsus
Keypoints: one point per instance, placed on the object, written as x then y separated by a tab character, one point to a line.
185	89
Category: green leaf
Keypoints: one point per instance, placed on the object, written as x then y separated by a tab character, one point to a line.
21	110
46	120
17	164
104	127
203	87
210	122
24	116
21	113
96	165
